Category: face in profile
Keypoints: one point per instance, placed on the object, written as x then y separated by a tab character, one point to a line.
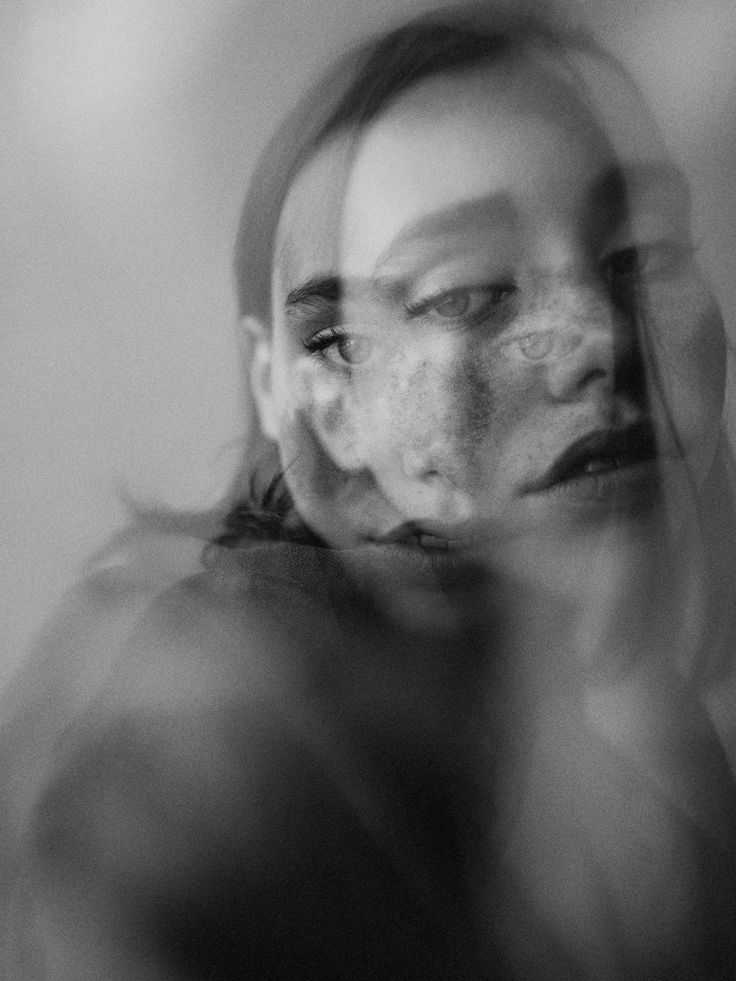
488	316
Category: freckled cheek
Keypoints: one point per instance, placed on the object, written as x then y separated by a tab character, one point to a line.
461	406
321	407
464	405
520	421
361	421
470	407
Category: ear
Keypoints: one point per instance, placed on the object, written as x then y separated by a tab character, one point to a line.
259	341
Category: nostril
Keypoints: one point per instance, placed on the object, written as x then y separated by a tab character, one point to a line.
433	465
418	464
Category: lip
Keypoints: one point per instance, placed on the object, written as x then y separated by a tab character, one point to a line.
423	549
427	537
615	466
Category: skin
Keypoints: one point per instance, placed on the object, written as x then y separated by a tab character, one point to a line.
481	231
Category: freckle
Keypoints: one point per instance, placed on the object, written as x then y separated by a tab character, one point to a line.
473	396
332	415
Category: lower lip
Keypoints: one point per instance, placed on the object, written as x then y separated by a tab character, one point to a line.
446	563
620	488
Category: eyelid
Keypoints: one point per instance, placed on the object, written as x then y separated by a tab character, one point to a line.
322	339
424	306
319	343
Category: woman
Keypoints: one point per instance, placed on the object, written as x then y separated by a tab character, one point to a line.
432	710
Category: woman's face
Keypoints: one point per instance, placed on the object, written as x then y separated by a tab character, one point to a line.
487	317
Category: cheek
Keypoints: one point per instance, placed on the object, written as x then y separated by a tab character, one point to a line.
360	420
311	469
689	355
316	410
334	499
451	401
522	421
317	448
459	407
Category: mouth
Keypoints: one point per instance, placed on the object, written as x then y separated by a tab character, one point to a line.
606	466
442	553
428	538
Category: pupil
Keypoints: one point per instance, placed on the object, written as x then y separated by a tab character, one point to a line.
353	350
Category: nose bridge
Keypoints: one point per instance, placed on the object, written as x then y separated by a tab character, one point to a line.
444	416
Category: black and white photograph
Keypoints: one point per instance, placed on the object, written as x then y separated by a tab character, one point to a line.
369	594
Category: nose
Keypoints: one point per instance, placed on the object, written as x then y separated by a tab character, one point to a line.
582	363
429	463
444	424
594	349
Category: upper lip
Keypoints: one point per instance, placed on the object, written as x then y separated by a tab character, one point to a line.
622	447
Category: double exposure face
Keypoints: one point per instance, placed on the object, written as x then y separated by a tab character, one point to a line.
488	317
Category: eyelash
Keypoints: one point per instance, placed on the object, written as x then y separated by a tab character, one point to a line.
495	296
324	339
330	337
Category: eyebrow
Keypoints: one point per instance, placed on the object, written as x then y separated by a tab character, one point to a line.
328	289
331	290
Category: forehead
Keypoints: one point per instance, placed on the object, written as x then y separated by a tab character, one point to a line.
509	131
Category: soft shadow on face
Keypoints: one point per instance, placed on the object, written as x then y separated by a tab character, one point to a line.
488	319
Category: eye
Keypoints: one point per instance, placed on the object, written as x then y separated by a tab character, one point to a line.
453	304
470	303
352	349
340	347
536	345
